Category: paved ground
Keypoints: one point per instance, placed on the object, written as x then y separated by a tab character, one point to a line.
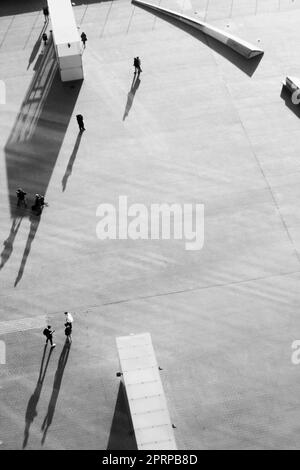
203	127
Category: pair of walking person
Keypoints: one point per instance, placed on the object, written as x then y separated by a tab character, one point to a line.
39	201
137	65
48	332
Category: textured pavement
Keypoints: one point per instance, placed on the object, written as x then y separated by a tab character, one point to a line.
204	126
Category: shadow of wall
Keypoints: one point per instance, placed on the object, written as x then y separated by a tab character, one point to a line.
121	435
15	7
35	141
247	66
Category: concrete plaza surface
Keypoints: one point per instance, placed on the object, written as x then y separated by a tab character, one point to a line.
203	125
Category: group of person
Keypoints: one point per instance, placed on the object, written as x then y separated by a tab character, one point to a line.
46	16
45	38
137	70
48	332
39	201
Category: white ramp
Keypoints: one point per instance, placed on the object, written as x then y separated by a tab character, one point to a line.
242	47
66	40
146	398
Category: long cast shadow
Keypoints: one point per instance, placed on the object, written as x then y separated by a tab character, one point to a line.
9	242
36	46
15	7
36	138
121	436
130	97
248	66
56	388
34	223
35	141
71	162
31	411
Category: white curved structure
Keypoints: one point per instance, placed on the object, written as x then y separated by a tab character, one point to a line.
242	47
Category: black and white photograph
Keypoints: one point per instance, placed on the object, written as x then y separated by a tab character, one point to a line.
149	228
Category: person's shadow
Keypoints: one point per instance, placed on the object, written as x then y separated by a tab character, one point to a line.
8	244
56	388
133	89
31	411
71	162
36	47
34	223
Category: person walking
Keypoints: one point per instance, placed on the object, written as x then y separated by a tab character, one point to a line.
68	326
39	204
80	122
46	14
45	39
49	335
68	332
68	317
83	38
137	65
21	197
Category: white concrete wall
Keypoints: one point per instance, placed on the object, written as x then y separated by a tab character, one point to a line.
66	39
146	398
